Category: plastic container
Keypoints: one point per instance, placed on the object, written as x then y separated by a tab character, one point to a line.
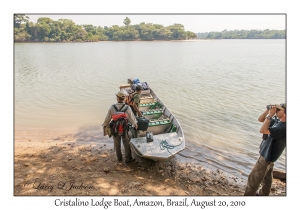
143	123
149	136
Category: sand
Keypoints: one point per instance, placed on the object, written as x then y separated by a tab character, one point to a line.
69	168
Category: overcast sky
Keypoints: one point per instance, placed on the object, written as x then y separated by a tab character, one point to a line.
195	23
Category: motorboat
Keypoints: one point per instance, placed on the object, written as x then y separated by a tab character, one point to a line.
167	134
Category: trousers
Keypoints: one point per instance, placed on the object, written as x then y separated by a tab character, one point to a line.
117	146
262	173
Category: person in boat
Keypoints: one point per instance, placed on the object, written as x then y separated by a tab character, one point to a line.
136	100
125	138
273	144
134	103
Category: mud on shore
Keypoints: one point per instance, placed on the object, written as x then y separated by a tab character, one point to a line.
49	168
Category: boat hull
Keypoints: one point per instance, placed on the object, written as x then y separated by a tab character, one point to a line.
168	137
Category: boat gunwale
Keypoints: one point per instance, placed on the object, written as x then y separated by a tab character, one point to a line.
179	132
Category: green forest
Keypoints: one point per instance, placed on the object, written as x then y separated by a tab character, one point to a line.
65	30
244	34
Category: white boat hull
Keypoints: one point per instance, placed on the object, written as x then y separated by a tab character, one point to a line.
165	144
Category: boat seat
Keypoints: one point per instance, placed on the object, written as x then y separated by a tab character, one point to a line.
152	113
157	126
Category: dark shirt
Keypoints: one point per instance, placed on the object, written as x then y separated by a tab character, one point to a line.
273	146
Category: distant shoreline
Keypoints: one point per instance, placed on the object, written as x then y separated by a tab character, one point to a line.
187	40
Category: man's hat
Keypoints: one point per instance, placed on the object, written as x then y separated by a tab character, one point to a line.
138	88
120	94
281	106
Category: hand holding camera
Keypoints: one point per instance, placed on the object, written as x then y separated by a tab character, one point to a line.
272	110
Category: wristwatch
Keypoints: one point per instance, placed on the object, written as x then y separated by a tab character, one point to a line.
268	117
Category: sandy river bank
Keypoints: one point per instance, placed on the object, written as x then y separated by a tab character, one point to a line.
68	168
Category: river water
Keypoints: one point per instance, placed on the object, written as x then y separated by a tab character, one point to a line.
216	89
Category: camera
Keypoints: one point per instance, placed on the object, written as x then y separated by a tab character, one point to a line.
269	106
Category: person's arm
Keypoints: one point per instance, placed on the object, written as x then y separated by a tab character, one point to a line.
266	124
136	100
132	118
107	118
262	117
137	109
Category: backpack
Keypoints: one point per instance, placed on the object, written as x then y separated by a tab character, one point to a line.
145	85
119	124
136	81
129	99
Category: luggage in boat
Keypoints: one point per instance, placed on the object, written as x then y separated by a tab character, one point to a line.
145	85
133	86
143	123
129	81
136	81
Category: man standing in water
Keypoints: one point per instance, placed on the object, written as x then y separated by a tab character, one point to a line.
270	150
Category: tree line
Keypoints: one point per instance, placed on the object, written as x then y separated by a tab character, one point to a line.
65	30
244	34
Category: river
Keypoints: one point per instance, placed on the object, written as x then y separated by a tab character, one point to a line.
215	88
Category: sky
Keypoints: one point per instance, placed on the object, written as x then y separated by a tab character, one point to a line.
192	22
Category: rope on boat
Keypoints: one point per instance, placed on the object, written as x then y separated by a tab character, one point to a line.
165	145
